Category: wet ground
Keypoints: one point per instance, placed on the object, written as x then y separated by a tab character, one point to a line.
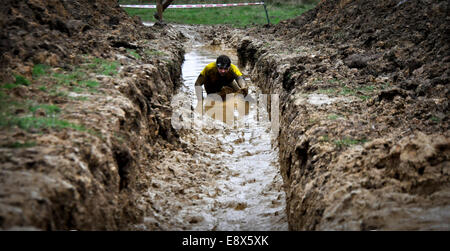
228	171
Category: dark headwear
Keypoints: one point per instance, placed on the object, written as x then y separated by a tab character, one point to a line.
223	62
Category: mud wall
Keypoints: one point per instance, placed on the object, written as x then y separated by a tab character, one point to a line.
88	176
364	142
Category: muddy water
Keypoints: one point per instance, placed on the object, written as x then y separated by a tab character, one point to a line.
251	195
228	173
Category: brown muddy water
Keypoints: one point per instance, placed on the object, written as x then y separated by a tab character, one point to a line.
245	190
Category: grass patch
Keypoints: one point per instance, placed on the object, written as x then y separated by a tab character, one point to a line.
40	70
80	98
76	79
9	86
103	66
363	92
49	109
435	119
333	116
153	52
77	89
364	97
69	78
17	144
35	117
335	80
345	142
31	122
235	16
28	123
345	91
21	80
23	115
59	93
134	54
328	91
324	138
110	68
91	84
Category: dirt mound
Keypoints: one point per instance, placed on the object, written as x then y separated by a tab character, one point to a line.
352	75
58	32
410	37
84	109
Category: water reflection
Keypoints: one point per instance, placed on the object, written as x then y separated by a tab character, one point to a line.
228	110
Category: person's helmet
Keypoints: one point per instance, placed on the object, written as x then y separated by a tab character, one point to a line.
223	62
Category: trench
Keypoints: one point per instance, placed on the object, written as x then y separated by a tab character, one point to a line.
243	188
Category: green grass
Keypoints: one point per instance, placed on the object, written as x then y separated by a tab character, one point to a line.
364	97
49	109
35	117
102	66
40	70
90	83
349	142
324	138
21	80
328	91
79	98
77	78
134	54
435	119
69	78
28	123
235	16
77	89
109	68
19	144
59	93
22	114
363	92
333	116
153	52
9	86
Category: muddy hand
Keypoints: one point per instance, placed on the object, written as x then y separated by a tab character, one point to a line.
243	91
224	91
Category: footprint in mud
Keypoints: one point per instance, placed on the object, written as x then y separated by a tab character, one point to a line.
247	153
195	219
239	141
240	206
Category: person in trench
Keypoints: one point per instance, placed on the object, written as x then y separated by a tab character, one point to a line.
221	79
161	6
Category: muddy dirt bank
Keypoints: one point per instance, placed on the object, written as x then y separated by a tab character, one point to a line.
364	134
83	113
